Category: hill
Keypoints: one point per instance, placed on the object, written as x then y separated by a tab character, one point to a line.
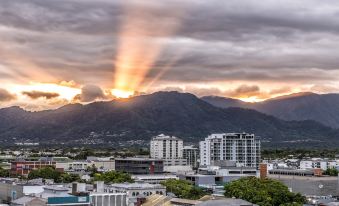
323	108
141	117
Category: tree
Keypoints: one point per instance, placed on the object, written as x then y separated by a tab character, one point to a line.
331	172
183	189
92	169
263	192
84	154
113	177
4	173
52	173
45	173
69	178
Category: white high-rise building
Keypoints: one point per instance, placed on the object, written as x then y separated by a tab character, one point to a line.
242	148
166	147
191	154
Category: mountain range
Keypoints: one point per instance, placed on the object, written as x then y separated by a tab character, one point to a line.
323	108
172	113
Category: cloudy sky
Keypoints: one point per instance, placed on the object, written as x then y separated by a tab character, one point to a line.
60	51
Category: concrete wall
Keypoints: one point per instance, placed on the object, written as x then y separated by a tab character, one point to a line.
7	190
108	199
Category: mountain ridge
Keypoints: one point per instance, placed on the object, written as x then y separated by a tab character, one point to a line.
141	117
323	108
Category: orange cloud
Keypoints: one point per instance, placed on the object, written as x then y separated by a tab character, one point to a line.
5	96
40	94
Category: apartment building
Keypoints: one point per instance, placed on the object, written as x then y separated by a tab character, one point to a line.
166	147
191	154
242	148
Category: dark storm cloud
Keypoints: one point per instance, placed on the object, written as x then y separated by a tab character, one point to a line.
217	40
5	96
90	93
83	17
40	94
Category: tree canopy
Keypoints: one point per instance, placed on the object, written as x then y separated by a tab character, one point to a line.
331	172
52	173
4	173
113	177
183	189
45	173
264	192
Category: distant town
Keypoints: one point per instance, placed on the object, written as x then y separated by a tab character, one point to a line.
169	103
168	172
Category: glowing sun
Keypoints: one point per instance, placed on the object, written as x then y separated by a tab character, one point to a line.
122	93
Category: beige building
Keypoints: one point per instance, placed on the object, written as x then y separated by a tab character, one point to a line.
166	147
78	166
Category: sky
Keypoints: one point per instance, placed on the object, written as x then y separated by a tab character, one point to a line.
58	52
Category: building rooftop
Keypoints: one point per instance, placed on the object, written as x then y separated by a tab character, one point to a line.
139	159
56	188
155	176
190	147
156	199
137	186
226	201
185	201
308	171
165	137
26	199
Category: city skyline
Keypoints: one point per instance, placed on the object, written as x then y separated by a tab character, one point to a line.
59	52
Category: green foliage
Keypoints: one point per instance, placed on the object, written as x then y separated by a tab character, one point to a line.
183	189
264	192
84	154
331	172
68	178
52	173
113	177
45	173
92	169
298	153
4	173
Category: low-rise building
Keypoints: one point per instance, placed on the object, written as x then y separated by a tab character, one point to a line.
294	172
29	201
177	166
104	165
136	190
211	176
168	201
108	199
153	179
175	162
211	180
23	168
73	166
226	201
69	201
12	189
179	169
139	165
81	166
319	163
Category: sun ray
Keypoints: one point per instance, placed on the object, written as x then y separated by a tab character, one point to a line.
141	40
